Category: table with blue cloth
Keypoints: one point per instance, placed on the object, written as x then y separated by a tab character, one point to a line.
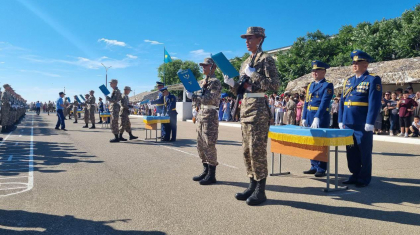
104	116
151	124
309	143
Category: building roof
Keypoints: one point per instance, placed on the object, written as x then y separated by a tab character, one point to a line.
152	95
391	72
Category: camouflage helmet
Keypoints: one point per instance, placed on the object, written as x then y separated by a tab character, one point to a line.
258	31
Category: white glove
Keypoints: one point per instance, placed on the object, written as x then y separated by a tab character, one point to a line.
340	125
304	123
249	71
315	123
189	94
194	113
369	127
228	80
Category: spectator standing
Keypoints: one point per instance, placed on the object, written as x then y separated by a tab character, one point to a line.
221	109
334	113
386	113
291	111
411	94
226	110
299	108
393	113
406	106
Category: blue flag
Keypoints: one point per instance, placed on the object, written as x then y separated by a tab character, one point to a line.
167	57
104	90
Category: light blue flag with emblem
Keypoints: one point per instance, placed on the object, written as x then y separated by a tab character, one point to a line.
167	57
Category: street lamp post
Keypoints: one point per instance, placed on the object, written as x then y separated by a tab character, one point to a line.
106	74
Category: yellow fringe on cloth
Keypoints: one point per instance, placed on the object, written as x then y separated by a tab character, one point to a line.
156	121
309	140
105	115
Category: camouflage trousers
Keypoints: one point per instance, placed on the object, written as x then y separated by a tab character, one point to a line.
125	124
92	115
208	131
75	114
114	120
254	144
86	116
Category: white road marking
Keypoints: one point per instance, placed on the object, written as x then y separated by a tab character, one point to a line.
30	176
191	154
10	158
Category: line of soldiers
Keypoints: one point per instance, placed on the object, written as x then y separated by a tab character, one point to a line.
13	109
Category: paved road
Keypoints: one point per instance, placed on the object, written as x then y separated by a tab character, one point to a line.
75	182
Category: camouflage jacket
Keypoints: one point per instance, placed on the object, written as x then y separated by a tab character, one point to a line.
264	78
115	99
90	102
125	108
211	96
5	99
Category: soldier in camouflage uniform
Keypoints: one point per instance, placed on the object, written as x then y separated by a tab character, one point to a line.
91	105
114	109
86	109
124	113
207	121
259	74
75	105
49	107
68	109
5	108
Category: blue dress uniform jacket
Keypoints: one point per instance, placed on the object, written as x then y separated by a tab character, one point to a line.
317	103
170	110
360	105
159	103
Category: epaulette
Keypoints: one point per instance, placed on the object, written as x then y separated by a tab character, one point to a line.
328	81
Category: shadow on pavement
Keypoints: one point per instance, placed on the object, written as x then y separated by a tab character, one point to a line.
382	190
32	223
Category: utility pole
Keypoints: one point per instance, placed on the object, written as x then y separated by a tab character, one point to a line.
106	74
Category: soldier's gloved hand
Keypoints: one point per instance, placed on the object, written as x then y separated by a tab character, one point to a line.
369	127
228	80
249	71
189	94
315	123
304	123
341	125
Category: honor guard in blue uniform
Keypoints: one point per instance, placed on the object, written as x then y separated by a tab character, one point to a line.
316	109
170	110
159	103
359	106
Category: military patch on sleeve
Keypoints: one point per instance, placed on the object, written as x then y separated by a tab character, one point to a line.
329	91
378	87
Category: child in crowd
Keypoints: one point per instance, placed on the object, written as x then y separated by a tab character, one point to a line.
415	126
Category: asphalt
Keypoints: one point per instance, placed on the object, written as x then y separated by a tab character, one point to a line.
76	182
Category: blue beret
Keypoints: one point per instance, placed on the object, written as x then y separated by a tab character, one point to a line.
160	83
316	64
164	89
358	55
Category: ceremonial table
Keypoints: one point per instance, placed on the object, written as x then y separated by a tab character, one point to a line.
105	117
309	143
151	124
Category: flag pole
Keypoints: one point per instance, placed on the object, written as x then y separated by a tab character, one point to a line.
164	77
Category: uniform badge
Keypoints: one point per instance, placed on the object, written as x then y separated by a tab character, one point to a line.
329	91
378	87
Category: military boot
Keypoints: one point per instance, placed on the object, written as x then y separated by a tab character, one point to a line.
202	175
85	126
3	129
132	137
210	177
121	138
116	139
258	196
75	121
248	192
93	126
